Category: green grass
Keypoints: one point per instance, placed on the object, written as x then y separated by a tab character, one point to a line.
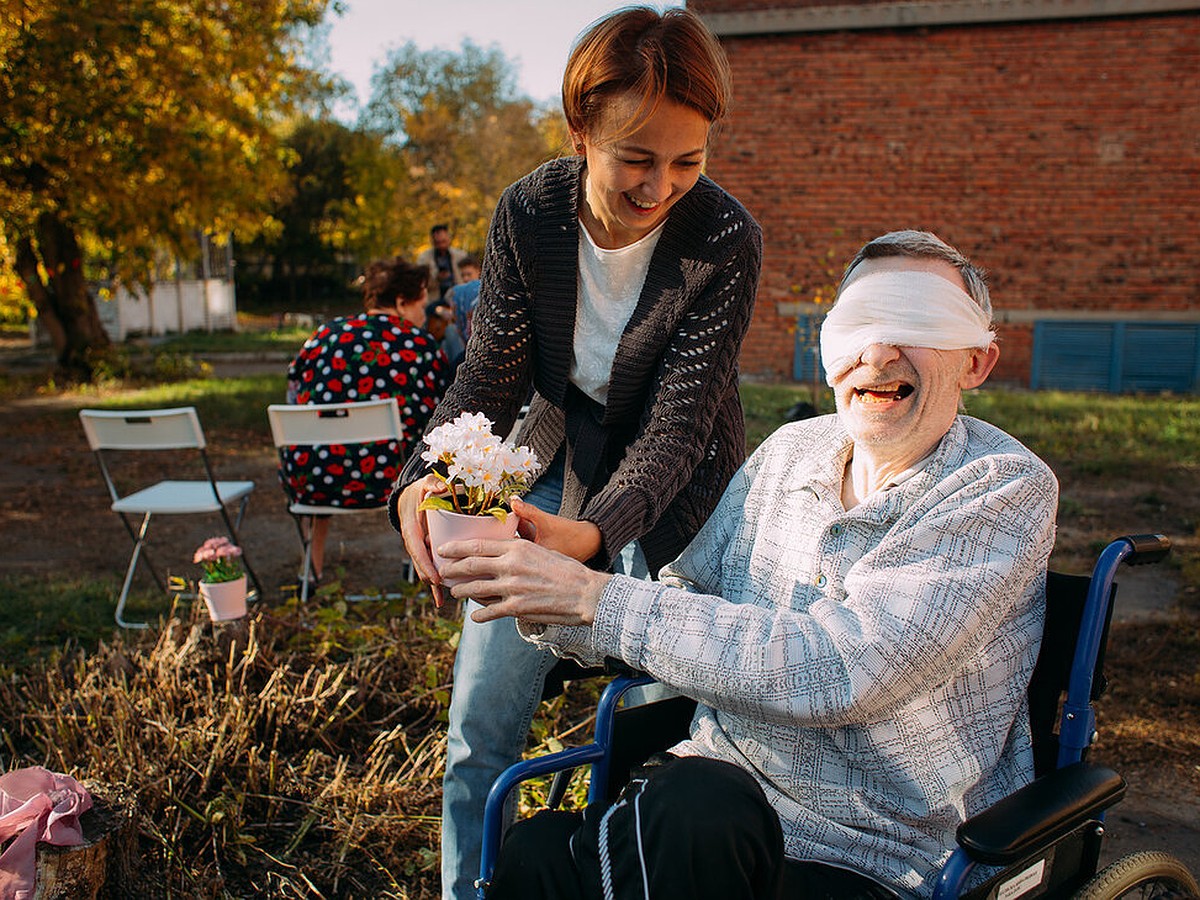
1101	435
1085	435
39	616
234	404
286	340
766	405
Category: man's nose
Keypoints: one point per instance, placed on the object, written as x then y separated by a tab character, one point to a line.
879	355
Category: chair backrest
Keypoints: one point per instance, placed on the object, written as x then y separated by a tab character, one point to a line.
142	429
335	423
1066	596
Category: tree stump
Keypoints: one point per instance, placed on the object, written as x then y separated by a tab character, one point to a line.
104	865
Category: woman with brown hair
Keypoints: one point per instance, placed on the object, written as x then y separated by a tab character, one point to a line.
617	286
382	352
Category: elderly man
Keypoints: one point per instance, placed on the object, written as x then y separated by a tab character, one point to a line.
858	620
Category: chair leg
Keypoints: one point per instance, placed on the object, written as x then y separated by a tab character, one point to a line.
139	540
145	552
232	528
306	566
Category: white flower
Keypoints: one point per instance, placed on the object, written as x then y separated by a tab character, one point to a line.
481	471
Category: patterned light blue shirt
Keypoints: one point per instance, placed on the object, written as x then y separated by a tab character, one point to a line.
869	667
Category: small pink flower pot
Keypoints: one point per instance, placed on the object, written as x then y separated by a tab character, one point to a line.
447	526
225	599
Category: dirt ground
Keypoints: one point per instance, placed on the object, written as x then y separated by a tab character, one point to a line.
56	519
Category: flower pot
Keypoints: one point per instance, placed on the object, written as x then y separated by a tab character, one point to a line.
225	599
451	526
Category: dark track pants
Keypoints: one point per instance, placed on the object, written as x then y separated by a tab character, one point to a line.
689	828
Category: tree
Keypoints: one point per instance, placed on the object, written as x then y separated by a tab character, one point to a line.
129	127
465	132
341	206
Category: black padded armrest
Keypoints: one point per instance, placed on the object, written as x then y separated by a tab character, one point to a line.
1040	813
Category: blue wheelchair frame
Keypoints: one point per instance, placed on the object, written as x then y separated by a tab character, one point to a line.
1015	833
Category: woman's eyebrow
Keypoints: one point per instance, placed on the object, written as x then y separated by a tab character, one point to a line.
633	148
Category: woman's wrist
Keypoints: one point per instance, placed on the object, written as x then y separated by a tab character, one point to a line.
587	541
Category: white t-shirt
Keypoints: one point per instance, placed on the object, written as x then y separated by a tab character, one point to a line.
610	282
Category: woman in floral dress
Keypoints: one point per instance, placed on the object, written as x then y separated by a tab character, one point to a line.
381	352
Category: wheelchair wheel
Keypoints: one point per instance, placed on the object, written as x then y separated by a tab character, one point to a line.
1148	874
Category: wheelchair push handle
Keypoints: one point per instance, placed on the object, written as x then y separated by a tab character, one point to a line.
1146	548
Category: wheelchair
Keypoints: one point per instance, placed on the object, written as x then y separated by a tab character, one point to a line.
1043	840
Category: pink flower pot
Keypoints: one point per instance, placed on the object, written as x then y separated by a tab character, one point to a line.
451	526
225	599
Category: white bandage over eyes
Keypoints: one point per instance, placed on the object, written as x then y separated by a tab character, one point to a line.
900	309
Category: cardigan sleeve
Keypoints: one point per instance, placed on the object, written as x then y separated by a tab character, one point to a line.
696	373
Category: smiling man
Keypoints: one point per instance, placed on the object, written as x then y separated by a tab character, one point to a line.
858	619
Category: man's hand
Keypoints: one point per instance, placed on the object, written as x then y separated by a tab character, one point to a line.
579	540
524	580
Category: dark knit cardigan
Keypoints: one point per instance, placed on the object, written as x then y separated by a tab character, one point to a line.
652	463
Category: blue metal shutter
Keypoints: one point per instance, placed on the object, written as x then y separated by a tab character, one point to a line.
1160	358
1072	356
807	352
1116	356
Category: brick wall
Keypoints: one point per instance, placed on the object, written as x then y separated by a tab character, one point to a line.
711	6
1063	157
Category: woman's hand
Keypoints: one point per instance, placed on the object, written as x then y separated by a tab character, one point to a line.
415	533
579	540
520	579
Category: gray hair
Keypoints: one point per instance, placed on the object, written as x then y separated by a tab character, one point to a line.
924	245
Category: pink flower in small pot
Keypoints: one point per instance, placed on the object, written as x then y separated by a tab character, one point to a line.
221	560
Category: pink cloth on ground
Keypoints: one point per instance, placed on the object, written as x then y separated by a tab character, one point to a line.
36	805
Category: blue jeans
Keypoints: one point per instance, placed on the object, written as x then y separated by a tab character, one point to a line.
498	680
497	687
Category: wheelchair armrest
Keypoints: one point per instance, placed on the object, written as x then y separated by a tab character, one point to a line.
1040	813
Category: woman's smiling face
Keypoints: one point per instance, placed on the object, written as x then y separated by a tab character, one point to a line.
633	181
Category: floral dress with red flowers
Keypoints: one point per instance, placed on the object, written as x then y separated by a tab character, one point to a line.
362	357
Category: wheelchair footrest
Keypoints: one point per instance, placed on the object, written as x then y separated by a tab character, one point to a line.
1040	813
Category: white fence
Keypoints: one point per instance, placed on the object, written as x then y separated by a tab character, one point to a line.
171	307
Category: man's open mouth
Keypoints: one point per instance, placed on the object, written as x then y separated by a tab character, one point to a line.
886	393
640	204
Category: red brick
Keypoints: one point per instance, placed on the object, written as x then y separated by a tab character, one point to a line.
1062	156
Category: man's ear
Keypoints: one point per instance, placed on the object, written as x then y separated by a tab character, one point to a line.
979	366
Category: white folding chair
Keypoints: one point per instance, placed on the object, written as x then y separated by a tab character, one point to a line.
363	422
110	432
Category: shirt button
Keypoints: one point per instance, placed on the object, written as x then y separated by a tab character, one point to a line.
821	580
836	530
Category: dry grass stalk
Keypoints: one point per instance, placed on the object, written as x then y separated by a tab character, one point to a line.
303	761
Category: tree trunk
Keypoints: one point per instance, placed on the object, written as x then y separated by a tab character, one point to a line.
39	296
63	303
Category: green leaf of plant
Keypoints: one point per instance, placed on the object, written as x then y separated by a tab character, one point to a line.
437	501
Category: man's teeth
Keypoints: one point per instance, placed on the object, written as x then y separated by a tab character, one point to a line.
884	394
641	204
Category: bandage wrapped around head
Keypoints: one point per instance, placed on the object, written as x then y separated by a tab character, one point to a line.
900	309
